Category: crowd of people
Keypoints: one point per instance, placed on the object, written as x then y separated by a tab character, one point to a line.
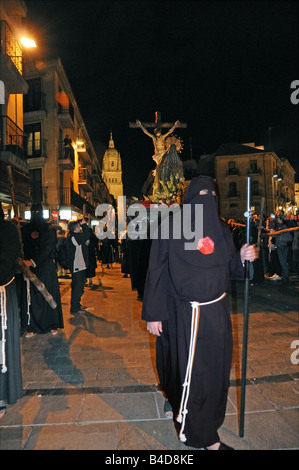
50	253
166	278
278	255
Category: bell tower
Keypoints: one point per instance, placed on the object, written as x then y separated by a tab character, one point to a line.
111	170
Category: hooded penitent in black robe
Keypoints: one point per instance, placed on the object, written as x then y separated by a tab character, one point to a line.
176	277
10	357
39	240
93	250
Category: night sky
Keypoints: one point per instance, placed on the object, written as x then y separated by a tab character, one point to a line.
223	67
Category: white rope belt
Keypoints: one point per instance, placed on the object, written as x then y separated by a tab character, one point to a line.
28	299
181	418
3	314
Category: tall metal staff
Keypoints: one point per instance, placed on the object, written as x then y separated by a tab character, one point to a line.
245	325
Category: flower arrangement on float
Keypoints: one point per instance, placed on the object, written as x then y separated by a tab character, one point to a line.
169	192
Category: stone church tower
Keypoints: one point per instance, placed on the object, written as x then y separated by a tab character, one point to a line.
111	170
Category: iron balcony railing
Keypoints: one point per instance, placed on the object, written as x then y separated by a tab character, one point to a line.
12	137
10	46
66	109
84	176
254	170
232	171
69	197
66	153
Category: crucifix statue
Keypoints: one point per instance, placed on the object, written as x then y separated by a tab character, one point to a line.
168	163
159	139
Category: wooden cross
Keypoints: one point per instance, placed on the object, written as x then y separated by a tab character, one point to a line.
158	124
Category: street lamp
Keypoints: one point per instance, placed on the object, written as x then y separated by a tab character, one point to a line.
27	42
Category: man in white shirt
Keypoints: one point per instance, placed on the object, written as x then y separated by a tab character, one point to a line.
77	256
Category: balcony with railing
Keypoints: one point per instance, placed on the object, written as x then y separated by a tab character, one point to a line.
69	197
232	171
36	153
20	181
85	179
66	115
12	138
11	61
66	157
254	171
96	175
83	151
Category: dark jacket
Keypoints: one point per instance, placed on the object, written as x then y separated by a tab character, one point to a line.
81	238
9	250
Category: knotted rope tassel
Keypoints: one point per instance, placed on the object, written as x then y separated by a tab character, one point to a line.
3	314
181	418
28	299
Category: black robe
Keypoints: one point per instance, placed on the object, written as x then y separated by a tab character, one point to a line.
139	251
93	249
175	278
107	251
11	380
39	245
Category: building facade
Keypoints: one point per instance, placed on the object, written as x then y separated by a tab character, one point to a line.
12	88
297	197
271	178
64	169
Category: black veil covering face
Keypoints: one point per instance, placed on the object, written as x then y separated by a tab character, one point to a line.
202	191
37	220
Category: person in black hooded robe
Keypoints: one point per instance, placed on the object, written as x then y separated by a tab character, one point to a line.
194	339
39	241
10	351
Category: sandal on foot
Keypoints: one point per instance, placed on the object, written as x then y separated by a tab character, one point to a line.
30	334
168	409
2	411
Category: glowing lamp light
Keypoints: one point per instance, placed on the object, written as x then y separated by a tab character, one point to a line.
65	214
27	42
80	145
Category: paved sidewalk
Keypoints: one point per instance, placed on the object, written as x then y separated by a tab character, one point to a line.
94	385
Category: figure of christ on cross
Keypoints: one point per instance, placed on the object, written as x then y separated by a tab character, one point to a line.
157	137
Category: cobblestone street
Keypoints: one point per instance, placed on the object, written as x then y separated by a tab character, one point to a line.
94	385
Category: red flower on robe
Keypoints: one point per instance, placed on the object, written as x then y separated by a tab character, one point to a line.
34	235
206	246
